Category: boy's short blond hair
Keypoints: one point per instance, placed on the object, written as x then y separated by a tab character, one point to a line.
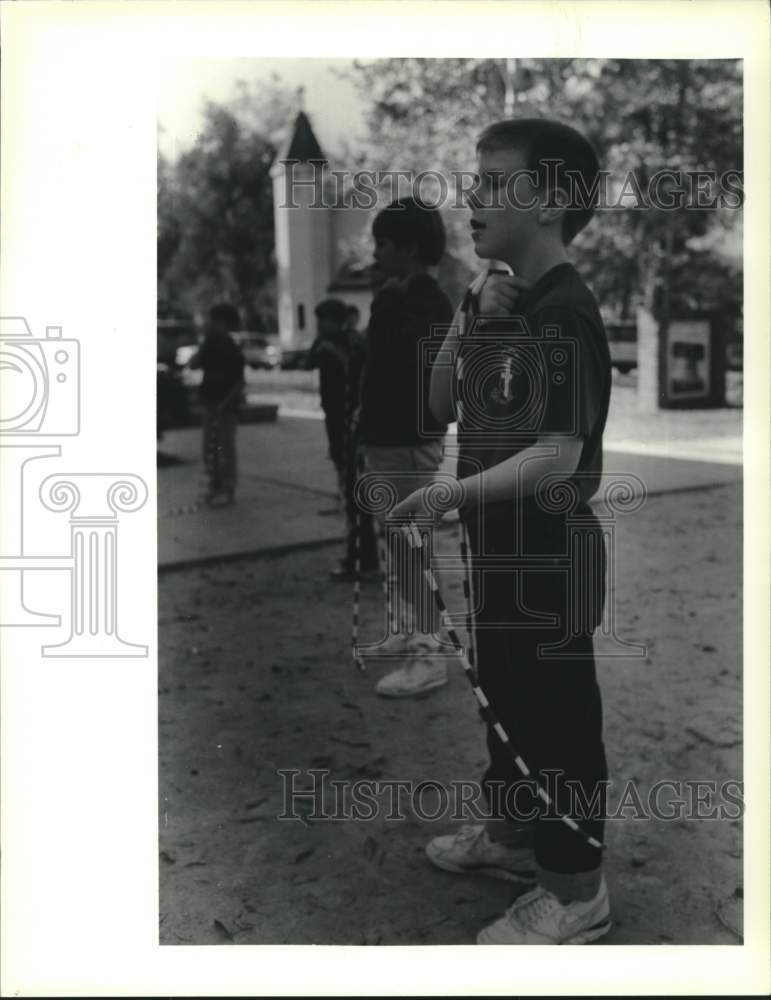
570	155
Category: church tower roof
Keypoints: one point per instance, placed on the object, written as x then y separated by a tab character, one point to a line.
302	144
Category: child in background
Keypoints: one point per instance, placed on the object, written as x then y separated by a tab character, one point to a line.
352	320
338	353
400	440
222	362
329	353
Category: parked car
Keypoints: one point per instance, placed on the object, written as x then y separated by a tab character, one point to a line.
622	341
260	350
185	353
294	360
191	377
172	402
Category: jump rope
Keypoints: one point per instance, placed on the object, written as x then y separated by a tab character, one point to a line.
467	659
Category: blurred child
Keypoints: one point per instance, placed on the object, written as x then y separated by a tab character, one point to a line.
329	353
401	441
338	353
222	362
352	320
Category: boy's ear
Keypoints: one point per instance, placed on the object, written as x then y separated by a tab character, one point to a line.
553	207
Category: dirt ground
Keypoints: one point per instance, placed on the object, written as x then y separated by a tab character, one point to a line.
256	676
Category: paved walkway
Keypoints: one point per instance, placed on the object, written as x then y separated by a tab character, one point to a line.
287	494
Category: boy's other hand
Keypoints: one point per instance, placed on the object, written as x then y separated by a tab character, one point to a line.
414	505
499	294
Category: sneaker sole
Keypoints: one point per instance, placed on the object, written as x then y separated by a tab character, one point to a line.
583	937
413	692
591	933
525	877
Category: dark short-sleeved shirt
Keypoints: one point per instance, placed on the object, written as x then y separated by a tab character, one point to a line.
222	361
526	379
340	361
394	386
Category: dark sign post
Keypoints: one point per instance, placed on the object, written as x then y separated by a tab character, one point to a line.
681	362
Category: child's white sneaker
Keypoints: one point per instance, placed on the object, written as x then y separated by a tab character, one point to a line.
539	917
418	675
470	851
395	644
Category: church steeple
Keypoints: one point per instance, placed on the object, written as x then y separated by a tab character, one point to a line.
308	234
302	144
302	229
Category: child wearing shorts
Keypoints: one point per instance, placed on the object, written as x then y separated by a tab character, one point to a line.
401	442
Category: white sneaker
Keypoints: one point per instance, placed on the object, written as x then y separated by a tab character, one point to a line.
395	644
539	917
471	852
416	677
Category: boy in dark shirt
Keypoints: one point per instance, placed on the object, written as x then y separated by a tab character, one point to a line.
329	353
400	439
352	316
530	387
338	353
222	362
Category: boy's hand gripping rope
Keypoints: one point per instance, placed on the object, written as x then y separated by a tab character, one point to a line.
415	539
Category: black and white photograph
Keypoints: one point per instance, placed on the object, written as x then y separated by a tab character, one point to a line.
323	762
455	523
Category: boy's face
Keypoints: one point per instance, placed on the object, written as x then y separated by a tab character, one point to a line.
392	260
504	209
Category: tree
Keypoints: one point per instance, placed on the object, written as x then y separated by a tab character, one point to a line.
215	208
642	116
169	230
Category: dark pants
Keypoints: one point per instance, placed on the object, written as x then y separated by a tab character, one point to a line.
550	706
334	422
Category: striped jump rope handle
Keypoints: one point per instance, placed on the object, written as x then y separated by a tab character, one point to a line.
472	653
387	588
356	601
415	539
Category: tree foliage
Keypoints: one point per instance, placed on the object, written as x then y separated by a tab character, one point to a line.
215	213
642	116
215	208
